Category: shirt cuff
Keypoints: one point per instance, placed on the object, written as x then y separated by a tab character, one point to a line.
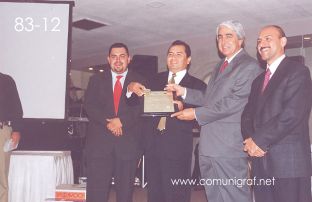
194	111
184	95
128	94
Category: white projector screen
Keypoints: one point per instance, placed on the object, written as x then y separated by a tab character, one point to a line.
34	51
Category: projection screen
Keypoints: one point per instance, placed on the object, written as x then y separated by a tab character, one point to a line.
34	50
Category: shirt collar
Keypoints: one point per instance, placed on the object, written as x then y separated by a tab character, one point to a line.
124	74
231	58
122	79
273	67
179	76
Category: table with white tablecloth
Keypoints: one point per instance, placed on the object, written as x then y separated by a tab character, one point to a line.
34	175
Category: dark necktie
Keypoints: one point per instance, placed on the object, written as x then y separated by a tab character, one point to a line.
162	122
117	93
172	81
266	79
224	65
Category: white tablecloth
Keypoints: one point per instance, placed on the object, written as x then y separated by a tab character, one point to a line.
34	175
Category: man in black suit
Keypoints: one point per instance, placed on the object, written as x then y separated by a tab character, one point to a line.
275	124
169	154
112	142
11	114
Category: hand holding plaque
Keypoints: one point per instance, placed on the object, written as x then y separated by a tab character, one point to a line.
158	103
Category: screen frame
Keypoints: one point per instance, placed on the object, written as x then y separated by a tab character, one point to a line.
71	4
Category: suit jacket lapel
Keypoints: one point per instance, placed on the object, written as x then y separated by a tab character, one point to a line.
230	66
123	97
106	85
107	89
217	75
126	83
273	83
164	80
185	80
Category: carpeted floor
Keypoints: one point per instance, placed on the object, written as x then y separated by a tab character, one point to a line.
140	195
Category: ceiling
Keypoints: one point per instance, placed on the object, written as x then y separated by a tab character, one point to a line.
147	25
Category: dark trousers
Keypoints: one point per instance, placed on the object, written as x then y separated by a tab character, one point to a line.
160	173
99	175
279	189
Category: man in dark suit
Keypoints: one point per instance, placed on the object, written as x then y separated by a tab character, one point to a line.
275	123
221	155
11	114
169	154
112	142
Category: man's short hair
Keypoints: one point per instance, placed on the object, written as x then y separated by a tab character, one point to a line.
118	45
181	43
234	25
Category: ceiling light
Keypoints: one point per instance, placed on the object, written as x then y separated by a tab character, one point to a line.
101	70
87	24
90	68
306	37
155	4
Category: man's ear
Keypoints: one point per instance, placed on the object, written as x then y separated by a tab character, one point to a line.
283	41
189	60
107	59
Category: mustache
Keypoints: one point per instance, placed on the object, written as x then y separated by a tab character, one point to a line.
261	48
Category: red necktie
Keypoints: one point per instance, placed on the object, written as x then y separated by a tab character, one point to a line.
117	93
266	79
224	65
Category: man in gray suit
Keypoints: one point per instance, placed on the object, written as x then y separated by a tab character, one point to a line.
223	163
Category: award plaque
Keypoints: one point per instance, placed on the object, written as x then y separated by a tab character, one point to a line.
158	103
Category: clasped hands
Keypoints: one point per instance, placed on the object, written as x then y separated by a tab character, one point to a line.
252	148
115	126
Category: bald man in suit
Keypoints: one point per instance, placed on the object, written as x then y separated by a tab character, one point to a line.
275	123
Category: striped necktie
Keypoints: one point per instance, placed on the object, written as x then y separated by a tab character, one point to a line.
162	122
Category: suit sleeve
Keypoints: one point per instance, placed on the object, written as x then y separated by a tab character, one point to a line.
134	106
93	107
198	88
296	106
195	97
231	103
248	113
14	106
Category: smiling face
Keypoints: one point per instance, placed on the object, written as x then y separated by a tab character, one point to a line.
270	44
228	42
177	59
118	60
